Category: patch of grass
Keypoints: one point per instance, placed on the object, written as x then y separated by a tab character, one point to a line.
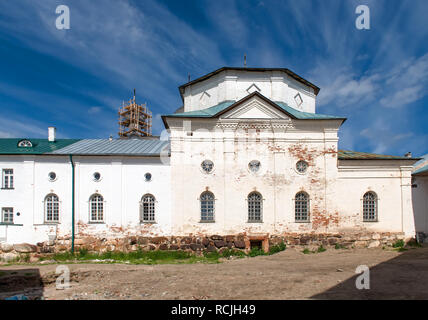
277	248
414	244
318	250
338	246
401	249
158	256
232	253
254	252
136	257
398	244
321	249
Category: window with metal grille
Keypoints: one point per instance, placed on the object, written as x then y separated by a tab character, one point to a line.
207	207
254	166
301	207
52	208
301	166
255	207
7	178
25	144
96	204
147	213
7	215
370	206
207	166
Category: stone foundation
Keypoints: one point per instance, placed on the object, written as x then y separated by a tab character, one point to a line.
198	244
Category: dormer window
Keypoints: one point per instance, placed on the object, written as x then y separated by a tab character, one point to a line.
25	144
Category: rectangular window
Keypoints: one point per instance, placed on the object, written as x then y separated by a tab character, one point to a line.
96	207
7	215
7	179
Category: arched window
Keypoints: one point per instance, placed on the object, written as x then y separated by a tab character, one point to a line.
96	207
147	208
51	208
25	144
301	207
207	207
370	206
255	207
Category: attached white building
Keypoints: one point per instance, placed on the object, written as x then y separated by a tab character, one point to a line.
247	153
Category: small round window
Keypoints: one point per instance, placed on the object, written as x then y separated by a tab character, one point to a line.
301	166
254	166
97	176
148	176
52	176
207	166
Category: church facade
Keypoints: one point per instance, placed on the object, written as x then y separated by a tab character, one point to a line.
247	154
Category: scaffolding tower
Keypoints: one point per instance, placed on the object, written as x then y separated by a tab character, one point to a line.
134	119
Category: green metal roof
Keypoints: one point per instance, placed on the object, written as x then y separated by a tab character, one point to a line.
354	155
421	167
421	171
305	115
205	113
40	146
217	109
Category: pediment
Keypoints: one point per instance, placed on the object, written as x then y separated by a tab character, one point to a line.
255	108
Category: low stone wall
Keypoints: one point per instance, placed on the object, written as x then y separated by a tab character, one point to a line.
197	244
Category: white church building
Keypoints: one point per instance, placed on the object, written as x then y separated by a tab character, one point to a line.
246	154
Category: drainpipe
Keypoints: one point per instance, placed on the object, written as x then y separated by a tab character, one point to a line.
72	203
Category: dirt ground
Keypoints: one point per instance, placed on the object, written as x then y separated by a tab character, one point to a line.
287	275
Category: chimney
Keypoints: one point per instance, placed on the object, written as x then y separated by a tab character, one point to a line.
52	134
408	155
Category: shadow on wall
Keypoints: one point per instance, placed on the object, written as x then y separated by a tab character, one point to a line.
17	282
404	277
420	204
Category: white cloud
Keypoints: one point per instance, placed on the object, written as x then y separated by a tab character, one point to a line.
144	47
24	127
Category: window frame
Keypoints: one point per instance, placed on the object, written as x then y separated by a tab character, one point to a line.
10	182
45	203
204	164
25	144
254	164
207	208
308	207
376	205
3	209
260	220
296	167
102	202
142	220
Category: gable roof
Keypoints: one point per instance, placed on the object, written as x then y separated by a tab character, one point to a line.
218	110
211	74
40	146
355	155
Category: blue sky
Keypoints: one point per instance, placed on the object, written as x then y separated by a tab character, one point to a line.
76	79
